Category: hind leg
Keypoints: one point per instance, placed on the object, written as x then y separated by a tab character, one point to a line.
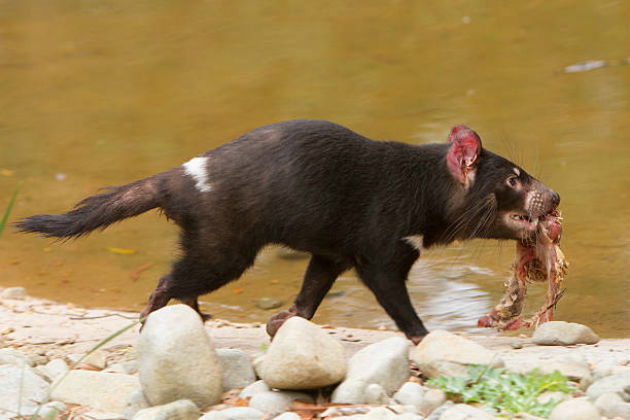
193	303
159	297
202	269
318	279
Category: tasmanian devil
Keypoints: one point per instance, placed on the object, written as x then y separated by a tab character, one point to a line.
315	186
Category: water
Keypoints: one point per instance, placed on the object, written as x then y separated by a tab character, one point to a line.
102	93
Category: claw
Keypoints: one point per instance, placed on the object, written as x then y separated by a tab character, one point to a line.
276	321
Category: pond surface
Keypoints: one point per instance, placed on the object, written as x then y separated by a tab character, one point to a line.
98	93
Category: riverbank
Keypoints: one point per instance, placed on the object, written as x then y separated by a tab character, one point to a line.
50	335
42	327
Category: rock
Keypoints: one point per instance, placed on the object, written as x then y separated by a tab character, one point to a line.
573	366
437	413
39	359
51	410
302	356
176	410
385	363
102	391
527	416
253	389
344	411
17	293
242	413
129	367
612	405
410	393
441	353
268	303
234	413
21	388
287	416
618	383
431	400
53	369
102	415
353	417
601	370
73	358
575	409
14	358
380	413
96	359
556	396
352	392
212	415
177	360
276	402
409	416
135	403
375	394
561	333
467	412
237	368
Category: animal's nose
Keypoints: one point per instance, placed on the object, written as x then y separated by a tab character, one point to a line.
555	199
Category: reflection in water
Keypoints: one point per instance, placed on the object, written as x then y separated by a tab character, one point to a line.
109	92
449	297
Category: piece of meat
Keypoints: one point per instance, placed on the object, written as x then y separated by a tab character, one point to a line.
537	261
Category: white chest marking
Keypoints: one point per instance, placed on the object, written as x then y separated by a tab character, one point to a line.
415	241
196	168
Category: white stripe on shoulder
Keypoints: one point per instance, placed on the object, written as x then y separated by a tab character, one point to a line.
196	168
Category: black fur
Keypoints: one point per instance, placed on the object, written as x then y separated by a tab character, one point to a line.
319	187
95	212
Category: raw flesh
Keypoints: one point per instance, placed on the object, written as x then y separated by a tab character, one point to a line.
536	261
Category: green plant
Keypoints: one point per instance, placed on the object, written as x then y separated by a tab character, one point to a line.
7	211
505	391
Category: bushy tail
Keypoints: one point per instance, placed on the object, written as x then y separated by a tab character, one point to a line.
96	211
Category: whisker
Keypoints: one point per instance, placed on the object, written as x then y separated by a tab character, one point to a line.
463	219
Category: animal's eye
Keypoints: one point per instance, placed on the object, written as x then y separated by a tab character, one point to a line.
512	181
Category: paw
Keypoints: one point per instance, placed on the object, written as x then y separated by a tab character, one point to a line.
276	321
416	339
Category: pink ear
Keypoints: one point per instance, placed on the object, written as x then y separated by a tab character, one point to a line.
462	156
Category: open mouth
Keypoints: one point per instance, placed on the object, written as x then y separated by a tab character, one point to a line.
529	223
523	219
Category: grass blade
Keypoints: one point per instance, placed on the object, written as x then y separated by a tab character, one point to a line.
75	364
5	218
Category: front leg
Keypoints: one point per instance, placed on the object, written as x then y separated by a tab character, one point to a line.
385	276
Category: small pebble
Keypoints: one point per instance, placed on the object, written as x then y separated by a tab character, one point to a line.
268	303
17	293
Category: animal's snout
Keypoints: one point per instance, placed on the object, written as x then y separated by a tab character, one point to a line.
555	199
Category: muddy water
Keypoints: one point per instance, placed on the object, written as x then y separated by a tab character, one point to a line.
101	93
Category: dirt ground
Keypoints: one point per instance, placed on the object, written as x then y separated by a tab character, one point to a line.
51	329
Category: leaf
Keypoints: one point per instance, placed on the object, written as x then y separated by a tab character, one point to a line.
135	274
121	251
504	391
